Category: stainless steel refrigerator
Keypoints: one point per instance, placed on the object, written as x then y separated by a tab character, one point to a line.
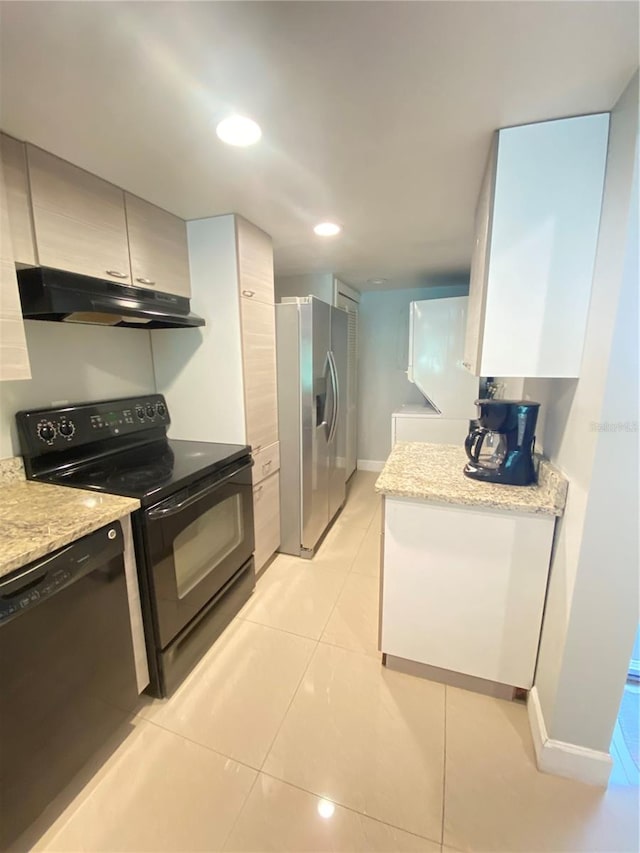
312	381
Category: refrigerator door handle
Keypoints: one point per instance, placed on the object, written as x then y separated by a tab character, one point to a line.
336	396
328	423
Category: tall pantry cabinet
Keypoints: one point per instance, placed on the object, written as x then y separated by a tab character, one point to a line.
220	380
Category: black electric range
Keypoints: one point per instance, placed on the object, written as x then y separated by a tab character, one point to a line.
193	535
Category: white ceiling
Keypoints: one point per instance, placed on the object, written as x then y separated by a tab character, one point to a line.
377	115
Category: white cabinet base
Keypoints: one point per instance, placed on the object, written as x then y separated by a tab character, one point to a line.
464	588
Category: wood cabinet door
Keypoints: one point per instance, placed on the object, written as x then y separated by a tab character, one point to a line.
266	519
14	356
259	366
255	262
14	164
79	219
480	266
157	247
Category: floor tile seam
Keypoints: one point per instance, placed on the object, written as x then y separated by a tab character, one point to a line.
290	703
240	810
282	630
335	603
203	745
334	645
350	808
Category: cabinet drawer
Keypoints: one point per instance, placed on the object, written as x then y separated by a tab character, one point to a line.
266	518
255	262
259	363
79	219
266	462
158	248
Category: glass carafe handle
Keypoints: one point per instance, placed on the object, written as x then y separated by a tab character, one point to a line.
473	443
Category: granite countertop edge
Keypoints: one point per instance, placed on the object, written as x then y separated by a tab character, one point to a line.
433	473
37	519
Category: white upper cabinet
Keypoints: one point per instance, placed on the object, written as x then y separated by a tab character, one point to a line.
157	247
79	219
536	233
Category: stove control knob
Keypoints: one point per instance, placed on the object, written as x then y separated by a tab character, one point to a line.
140	412
46	431
161	409
67	428
150	411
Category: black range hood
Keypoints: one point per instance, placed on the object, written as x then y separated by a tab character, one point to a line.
56	295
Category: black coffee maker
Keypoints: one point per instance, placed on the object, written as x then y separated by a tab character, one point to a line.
501	442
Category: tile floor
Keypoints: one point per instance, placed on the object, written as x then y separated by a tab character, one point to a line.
291	736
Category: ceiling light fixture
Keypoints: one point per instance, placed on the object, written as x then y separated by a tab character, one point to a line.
238	130
377	280
327	229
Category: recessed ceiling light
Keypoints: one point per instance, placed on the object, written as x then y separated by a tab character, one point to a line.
327	229
238	130
377	280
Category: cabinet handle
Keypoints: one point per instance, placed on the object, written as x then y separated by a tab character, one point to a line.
256	449
248	293
266	465
145	281
117	274
257	492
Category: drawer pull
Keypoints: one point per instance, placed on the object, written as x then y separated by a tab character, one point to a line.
145	281
117	274
257	492
266	465
257	448
248	293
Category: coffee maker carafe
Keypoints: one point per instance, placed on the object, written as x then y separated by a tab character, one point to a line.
501	442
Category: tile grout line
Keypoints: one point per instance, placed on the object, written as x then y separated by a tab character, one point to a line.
349	808
240	810
288	708
306	669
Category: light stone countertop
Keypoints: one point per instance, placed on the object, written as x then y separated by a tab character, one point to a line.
38	518
434	472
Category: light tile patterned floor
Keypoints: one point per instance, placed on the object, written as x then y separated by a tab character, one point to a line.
291	736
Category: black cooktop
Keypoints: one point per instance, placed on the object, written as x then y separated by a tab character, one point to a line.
151	472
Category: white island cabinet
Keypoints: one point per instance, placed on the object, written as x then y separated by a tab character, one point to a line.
465	565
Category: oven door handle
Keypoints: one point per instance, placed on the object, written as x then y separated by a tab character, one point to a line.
161	512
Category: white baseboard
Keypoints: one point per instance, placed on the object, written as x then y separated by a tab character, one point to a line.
369	465
565	759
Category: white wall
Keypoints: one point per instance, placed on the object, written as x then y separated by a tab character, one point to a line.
314	284
200	370
75	363
383	357
591	610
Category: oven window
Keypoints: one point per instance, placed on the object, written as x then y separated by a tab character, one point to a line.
204	544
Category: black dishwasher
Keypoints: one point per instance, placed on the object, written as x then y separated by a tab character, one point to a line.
67	671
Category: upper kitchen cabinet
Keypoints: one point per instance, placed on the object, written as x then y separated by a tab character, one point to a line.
79	219
536	234
16	179
14	357
157	247
255	262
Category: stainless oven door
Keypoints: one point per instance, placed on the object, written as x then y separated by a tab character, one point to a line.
196	540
